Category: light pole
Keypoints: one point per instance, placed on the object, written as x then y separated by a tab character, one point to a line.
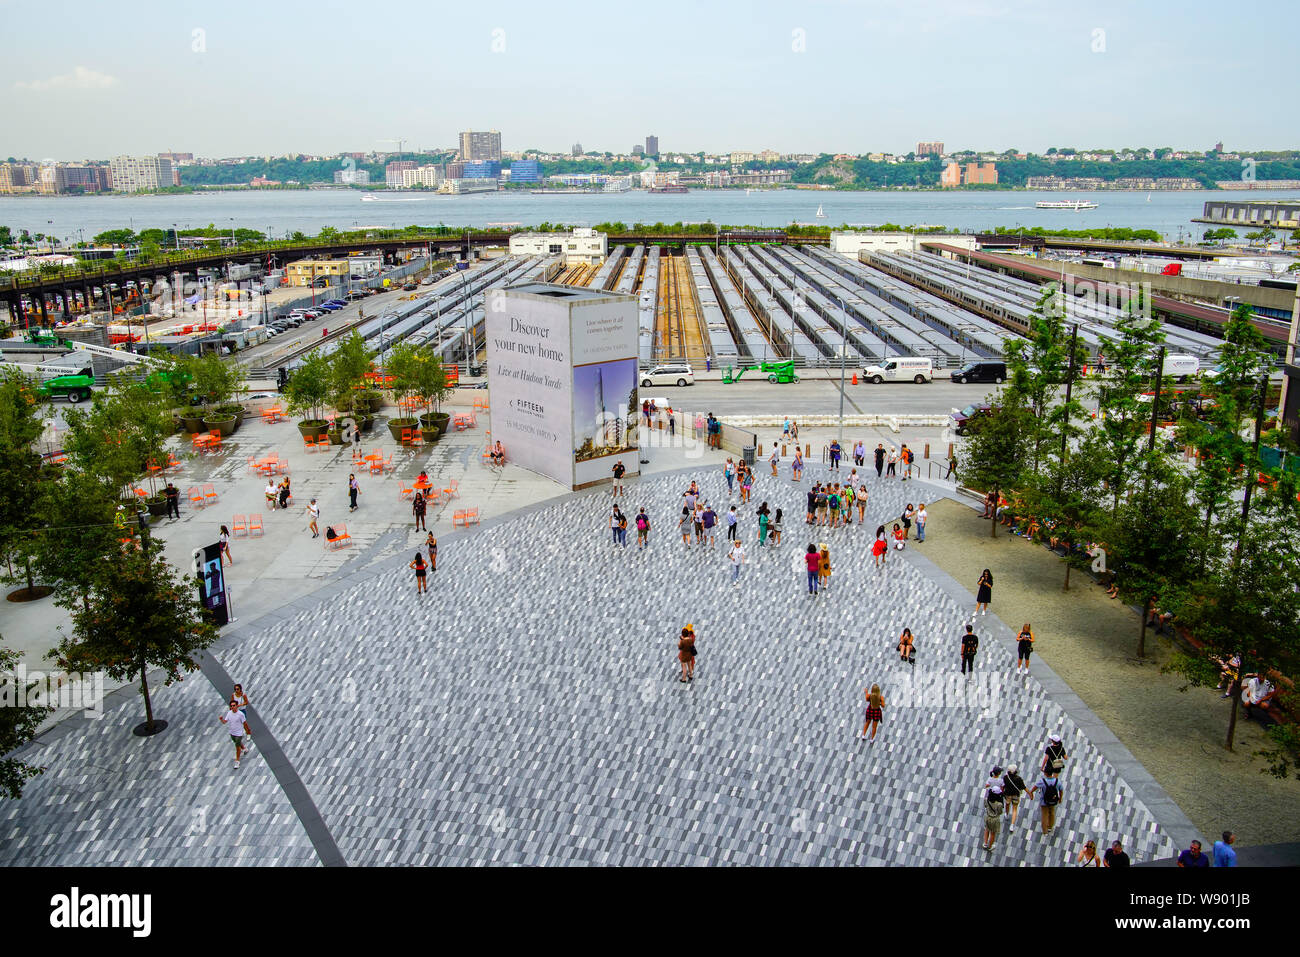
844	348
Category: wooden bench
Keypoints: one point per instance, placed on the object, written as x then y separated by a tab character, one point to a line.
341	537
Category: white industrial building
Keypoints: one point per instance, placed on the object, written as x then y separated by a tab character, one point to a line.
850	244
430	176
459	186
583	245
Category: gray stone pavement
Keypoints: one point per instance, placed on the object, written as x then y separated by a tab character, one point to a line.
527	709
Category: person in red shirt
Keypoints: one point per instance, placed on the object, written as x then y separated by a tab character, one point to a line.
814	562
900	537
878	549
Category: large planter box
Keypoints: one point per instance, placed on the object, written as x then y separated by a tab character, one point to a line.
366	422
225	426
395	426
371	402
336	436
433	425
193	423
313	428
157	509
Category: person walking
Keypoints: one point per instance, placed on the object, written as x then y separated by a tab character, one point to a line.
420	567
1115	856
786	429
824	566
731	524
907	647
1052	794
879	548
984	593
619	470
836	451
892	467
729	473
710	521
859	454
813	560
418	508
994	806
173	500
237	725
880	459
1054	756
952	467
922	516
775	458
763	521
970	644
747	484
314	511
1088	856
796	466
353	491
1013	785
223	546
642	529
875	712
737	557
1224	855
1024	647
686	522
686	653
432	544
618	525
776	528
905	461
860	500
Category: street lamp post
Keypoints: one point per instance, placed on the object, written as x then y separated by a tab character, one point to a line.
844	348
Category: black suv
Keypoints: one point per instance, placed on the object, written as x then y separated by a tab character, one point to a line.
981	370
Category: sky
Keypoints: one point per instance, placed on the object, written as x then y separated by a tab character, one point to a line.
87	79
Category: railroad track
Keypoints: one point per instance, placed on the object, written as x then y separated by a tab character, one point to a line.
300	349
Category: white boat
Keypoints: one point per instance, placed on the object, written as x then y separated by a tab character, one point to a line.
821	213
1064	204
392	199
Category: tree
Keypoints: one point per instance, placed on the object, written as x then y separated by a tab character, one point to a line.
141	615
995	456
115	237
349	364
430	378
18	723
76	526
308	388
403	365
215	380
21	423
1067	495
1123	418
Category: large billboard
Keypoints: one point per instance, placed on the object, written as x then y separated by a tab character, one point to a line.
563	377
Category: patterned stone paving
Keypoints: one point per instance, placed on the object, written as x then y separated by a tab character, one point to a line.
527	711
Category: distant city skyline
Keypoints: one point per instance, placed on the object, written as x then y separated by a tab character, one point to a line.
817	76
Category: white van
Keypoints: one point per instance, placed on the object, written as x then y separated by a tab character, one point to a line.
1181	367
901	369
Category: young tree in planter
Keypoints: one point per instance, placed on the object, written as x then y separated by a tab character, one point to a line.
216	381
18	724
21	423
142	614
430	381
308	390
1247	603
1067	494
348	367
996	454
403	365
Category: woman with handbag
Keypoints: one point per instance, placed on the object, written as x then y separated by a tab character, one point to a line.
875	711
686	653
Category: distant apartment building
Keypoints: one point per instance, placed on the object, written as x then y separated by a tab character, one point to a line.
765	177
480	146
455	170
177	157
429	176
799	158
482	169
577	149
652	146
638	150
526	171
18	177
769	156
970	174
739	157
352	177
135	174
929	149
393	172
80	179
650	179
1123	182
717	178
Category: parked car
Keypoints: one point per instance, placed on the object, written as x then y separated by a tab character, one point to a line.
409	287
981	370
670	374
964	418
901	369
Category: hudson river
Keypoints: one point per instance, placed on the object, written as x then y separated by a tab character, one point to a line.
283	211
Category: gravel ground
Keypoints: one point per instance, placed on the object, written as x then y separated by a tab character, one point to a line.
1090	640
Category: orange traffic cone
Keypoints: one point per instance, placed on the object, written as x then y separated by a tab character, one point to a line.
855	378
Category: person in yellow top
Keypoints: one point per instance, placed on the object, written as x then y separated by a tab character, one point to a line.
824	568
1024	646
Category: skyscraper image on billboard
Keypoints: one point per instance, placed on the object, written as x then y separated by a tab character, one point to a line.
604	409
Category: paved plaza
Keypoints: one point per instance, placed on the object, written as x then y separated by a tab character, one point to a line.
527	711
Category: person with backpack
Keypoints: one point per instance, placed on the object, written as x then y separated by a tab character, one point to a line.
846	503
1013	785
1050	800
970	643
994	807
1054	755
642	529
906	519
833	506
905	459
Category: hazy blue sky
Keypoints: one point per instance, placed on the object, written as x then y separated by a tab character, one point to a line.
94	79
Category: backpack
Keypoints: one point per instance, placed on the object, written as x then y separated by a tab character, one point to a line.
1051	793
994	805
641	523
1056	757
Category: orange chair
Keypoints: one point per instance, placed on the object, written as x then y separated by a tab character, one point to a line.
309	442
453	489
239	524
214	439
209	493
458	518
341	538
405	491
387	463
255	524
406	437
252	464
377	467
196	496
471	515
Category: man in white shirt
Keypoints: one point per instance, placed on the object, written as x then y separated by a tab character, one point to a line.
922	516
737	556
270	493
235	723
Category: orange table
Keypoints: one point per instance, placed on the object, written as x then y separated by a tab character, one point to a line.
423	486
204	440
